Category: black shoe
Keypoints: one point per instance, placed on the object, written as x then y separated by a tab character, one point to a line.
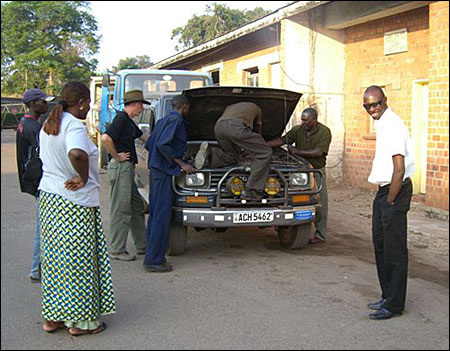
161	268
35	279
382	314
377	305
316	240
252	194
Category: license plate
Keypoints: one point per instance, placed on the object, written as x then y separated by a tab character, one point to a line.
303	215
253	217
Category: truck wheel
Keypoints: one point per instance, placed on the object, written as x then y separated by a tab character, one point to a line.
177	239
294	237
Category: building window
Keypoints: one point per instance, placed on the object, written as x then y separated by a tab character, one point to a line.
251	77
215	76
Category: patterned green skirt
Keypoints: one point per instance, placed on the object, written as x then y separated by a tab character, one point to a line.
76	274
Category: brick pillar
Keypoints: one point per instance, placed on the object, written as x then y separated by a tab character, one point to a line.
437	194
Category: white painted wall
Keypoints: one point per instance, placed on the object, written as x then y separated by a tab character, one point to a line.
325	70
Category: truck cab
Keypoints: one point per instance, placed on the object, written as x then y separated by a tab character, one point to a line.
153	83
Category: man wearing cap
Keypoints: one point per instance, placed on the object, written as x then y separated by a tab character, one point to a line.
26	148
126	208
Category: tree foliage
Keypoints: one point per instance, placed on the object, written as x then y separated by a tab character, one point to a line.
219	19
46	44
135	62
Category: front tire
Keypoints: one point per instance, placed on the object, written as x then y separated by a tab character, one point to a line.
294	237
177	239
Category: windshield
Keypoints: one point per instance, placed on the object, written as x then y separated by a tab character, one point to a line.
152	84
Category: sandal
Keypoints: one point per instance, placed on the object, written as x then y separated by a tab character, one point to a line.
78	332
51	327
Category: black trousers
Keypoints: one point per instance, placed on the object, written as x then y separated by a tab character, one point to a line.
389	235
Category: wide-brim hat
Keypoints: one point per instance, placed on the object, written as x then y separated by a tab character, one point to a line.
134	96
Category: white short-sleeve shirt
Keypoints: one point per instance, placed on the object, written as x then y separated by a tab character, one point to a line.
392	139
57	168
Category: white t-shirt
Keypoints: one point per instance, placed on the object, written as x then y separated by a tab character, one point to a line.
392	139
57	168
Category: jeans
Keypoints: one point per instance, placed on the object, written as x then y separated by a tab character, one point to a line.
34	272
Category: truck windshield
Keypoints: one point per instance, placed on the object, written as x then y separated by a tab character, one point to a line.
158	83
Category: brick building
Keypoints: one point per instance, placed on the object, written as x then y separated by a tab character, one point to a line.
331	51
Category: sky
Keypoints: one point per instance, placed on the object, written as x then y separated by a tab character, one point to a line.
137	28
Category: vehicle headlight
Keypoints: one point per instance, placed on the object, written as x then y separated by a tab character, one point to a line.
195	180
273	186
236	185
299	179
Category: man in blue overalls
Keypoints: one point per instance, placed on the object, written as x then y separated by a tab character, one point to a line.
166	146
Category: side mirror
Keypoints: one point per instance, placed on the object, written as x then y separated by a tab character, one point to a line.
145	127
105	80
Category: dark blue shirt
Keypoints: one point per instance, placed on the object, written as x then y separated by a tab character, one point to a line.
167	142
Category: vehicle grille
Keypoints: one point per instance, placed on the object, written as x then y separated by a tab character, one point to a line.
216	177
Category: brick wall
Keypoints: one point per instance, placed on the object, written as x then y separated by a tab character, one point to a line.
367	65
438	146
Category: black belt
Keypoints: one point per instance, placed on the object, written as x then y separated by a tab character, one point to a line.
406	181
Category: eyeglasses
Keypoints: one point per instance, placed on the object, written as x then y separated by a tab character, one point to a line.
373	105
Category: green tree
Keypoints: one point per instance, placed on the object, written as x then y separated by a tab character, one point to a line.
219	19
135	62
46	44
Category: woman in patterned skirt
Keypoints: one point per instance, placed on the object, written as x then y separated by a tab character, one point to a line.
76	274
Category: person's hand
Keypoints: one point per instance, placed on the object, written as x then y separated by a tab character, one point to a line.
292	149
74	183
123	156
188	168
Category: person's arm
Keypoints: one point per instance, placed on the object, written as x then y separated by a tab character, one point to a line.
109	144
321	149
80	162
397	178
276	142
184	166
306	153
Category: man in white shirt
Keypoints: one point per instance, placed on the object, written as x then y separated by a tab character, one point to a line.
392	166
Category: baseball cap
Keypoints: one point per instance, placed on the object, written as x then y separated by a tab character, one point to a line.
36	94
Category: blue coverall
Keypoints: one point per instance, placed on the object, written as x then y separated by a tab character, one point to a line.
167	142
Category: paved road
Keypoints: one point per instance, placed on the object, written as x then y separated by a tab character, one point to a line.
233	290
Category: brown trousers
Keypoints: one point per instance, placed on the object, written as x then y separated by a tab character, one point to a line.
232	136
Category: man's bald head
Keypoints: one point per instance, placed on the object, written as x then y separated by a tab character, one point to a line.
375	102
310	112
374	90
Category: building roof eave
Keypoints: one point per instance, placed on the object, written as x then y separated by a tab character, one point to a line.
276	16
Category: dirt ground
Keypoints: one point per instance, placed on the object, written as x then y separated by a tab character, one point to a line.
350	216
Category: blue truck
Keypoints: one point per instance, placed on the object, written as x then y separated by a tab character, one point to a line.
107	96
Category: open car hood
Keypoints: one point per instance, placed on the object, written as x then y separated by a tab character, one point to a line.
208	103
